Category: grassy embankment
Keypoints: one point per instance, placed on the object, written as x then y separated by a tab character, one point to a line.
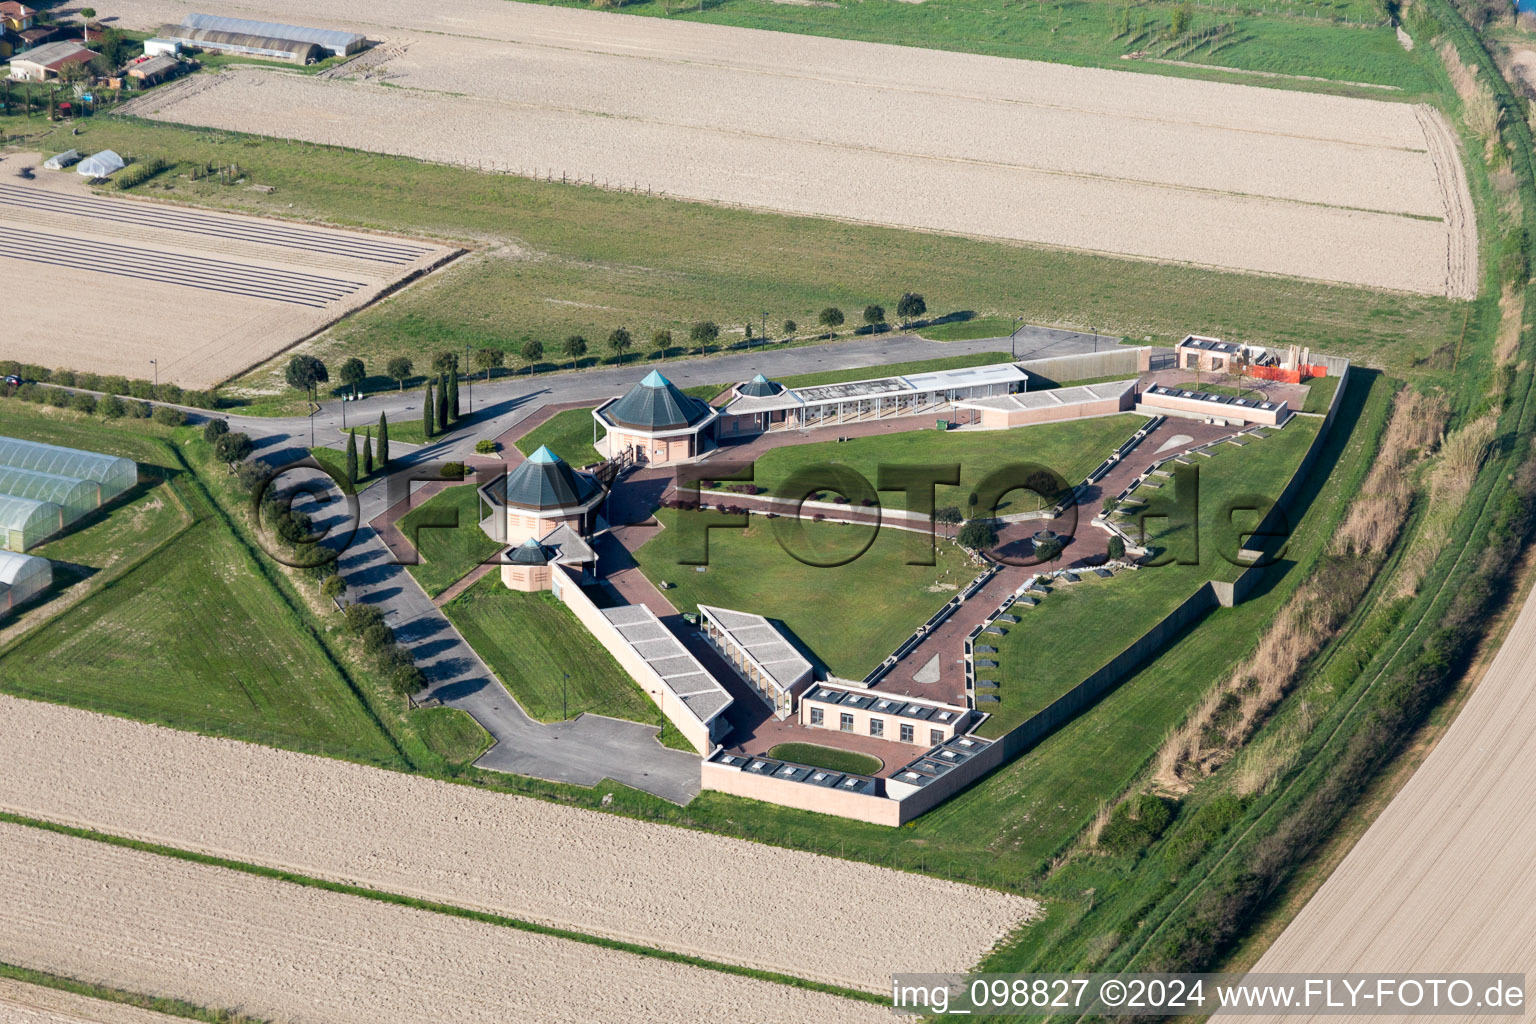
569	435
566	260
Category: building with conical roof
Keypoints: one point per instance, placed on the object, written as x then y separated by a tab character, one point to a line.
655	422
544	510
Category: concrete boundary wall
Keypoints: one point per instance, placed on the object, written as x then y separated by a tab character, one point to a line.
1119	359
875	809
582	606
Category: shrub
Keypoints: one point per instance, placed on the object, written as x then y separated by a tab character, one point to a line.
453	471
358	617
137	174
485	446
977	535
83	403
141	389
112	407
215	429
250	475
168	417
1135	824
234	447
63	377
377	637
1116	547
333	587
140	410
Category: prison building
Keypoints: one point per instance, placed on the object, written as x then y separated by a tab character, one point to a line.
1026	407
872	713
1165	401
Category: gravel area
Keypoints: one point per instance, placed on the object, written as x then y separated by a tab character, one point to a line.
1205	173
726	899
225	939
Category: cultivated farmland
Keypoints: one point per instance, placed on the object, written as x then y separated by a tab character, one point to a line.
1358	191
21	1003
654	885
222	938
205	295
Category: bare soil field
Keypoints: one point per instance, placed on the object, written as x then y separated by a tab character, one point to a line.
21	1003
1358	191
725	899
225	939
1445	879
206	295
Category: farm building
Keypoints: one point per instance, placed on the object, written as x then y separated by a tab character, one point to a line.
113	473
99	165
75	496
43	63
22	577
26	522
59	161
154	70
262	38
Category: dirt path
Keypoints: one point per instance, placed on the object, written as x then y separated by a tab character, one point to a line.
227	939
1445	879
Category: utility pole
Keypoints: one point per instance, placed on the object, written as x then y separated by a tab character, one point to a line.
156	364
564	714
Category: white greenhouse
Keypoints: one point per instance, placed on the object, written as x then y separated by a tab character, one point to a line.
113	473
75	496
22	577
25	523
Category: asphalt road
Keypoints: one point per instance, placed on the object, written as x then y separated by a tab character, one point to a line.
590	748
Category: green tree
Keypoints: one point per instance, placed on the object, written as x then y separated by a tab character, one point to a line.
874	315
1116	548
234	447
790	327
442	403
910	306
382	443
661	341
368	454
1182	18
620	341
575	347
351	457
704	333
533	350
830	318
215	429
1047	550
333	587
352	374
305	373
453	395
86	14
399	368
428	418
489	359
445	361
977	534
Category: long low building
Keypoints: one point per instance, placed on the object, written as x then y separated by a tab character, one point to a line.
1026	407
762	655
332	42
1202	405
22	577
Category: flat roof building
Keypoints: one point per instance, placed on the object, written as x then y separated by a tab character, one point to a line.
762	655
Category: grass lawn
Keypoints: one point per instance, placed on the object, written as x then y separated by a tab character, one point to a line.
1072	448
1071	633
452	733
336	463
593	260
532	641
1319	394
568	434
967	330
830	758
850	616
409	431
448	552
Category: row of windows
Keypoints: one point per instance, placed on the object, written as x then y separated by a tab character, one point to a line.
877	727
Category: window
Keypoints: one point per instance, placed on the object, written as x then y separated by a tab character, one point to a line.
935	737
877	727
845	722
817	716
906	732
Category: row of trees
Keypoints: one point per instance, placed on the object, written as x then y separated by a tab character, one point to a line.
109	406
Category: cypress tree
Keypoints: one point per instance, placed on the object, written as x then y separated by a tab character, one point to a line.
428	421
352	457
442	402
453	394
368	454
382	458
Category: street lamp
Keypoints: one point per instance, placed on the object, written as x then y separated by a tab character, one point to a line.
1018	325
469	379
156	364
564	715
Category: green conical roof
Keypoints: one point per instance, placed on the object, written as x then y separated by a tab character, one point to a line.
656	404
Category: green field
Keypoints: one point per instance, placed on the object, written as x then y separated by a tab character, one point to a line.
568	434
1297	38
536	646
448	552
1072	449
967	330
595	260
851	616
830	758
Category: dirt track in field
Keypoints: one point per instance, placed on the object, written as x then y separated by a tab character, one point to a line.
1445	879
106	284
725	899
21	1003
1284	182
225	939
